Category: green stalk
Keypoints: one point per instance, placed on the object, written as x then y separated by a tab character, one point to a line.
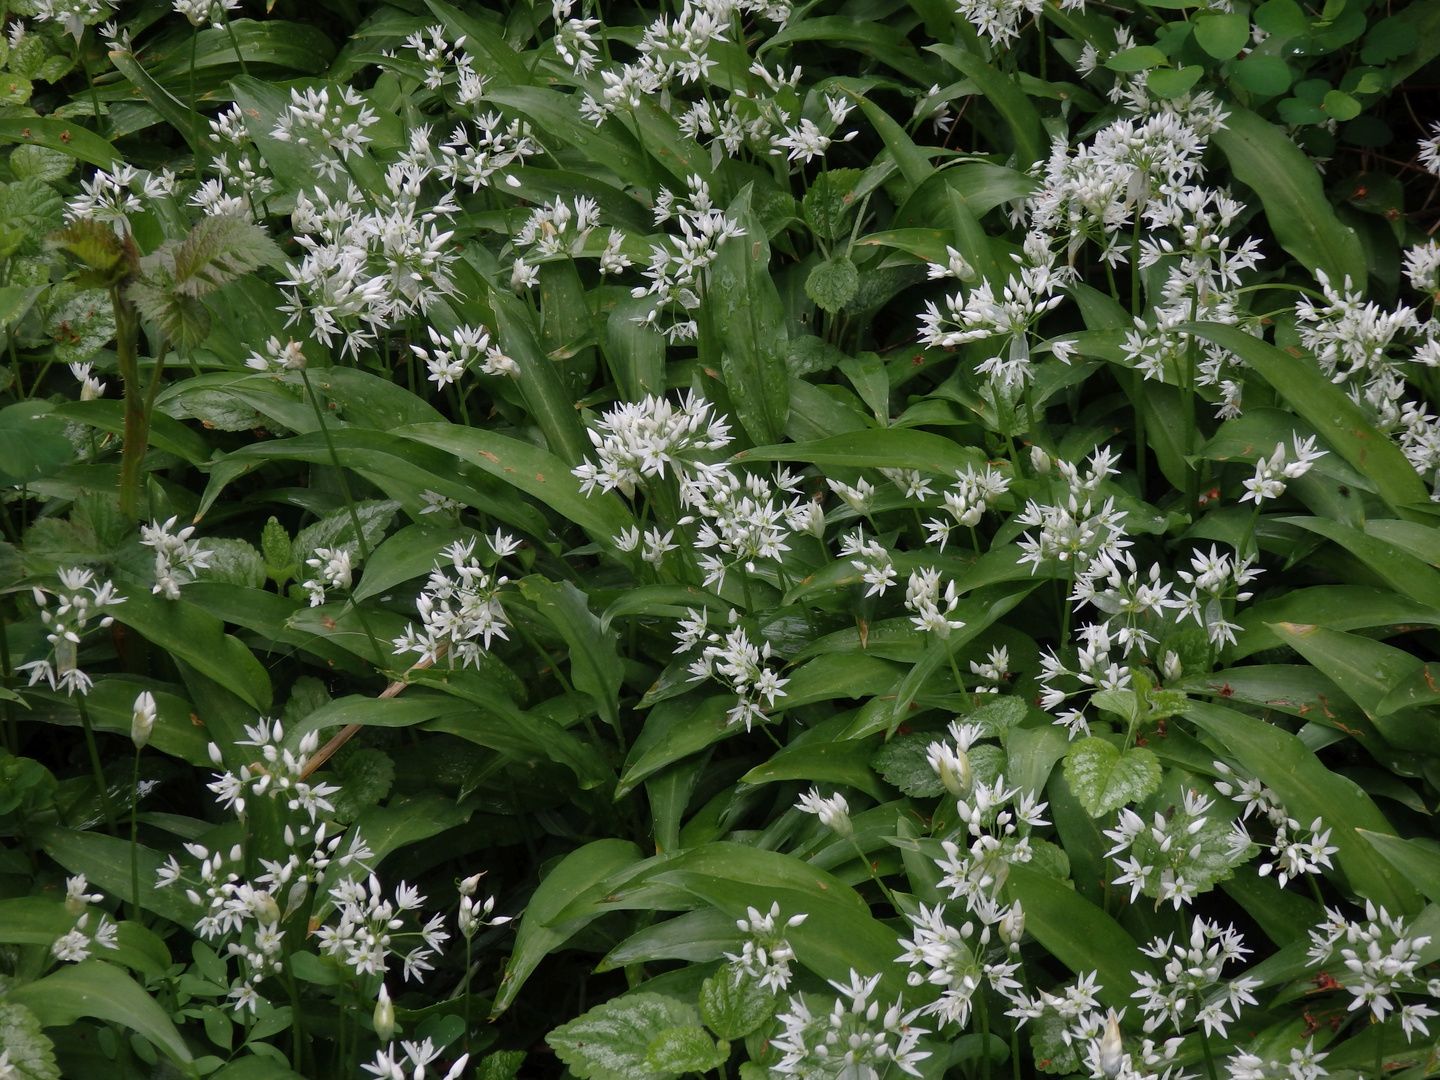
135	843
234	44
1209	1057
137	415
95	766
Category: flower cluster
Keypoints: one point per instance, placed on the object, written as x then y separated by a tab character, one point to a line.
281	774
459	605
177	557
766	956
370	925
737	662
638	441
853	1039
1179	854
80	598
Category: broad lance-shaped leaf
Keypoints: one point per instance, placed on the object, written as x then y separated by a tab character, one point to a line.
743	330
1263	157
1340	422
1104	779
536	938
94	988
1309	790
594	656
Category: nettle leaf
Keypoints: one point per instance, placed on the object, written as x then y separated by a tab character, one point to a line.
337	530
612	1041
30	1053
685	1050
905	763
733	1010
219	250
1103	779
833	283
997	717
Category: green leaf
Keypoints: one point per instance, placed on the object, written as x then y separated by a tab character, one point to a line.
734	1008
192	128
612	1041
1340	422
1263	75
406	554
893	448
1341	106
1309	790
904	762
29	1052
1282	18
744	329
96	989
1173	82
1103	779
105	860
65	136
701	935
1223	34
1263	157
1077	933
1136	58
1398	568
1009	100
832	283
530	469
196	636
1367	671
846	762
536	938
1419	862
914	163
687	1049
33	444
594	657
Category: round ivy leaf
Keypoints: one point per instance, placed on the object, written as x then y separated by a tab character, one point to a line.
1223	35
1282	18
1139	58
1389	39
1172	82
1341	106
1263	75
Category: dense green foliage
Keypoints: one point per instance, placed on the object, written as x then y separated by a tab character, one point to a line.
846	540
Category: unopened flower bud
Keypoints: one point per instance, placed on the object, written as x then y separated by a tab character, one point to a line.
1171	666
1112	1049
1012	926
142	721
384	1016
1040	461
470	884
953	768
266	910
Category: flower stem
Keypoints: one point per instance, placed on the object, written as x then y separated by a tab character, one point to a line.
95	766
135	843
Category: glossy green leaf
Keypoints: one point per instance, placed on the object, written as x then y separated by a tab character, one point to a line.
845	763
1340	422
1263	157
1309	790
536	937
1222	34
594	660
62	135
196	636
1419	862
612	1041
96	989
1367	671
1402	571
1077	933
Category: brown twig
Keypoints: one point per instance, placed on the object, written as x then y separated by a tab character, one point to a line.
346	733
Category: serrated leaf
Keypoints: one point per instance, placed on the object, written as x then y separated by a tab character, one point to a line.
366	775
833	283
904	762
612	1041
734	1009
1103	779
685	1050
29	1052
